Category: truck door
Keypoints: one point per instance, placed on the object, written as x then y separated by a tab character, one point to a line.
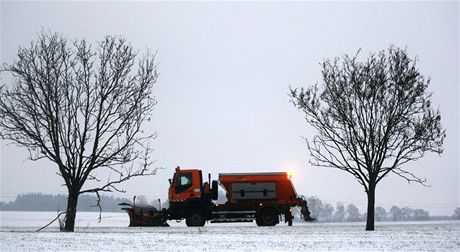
183	186
186	184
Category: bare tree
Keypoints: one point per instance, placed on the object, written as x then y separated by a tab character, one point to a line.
396	213
316	206
339	215
456	214
407	213
380	213
327	212
81	107
421	215
372	117
352	213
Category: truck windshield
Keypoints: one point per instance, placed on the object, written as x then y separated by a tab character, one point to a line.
184	181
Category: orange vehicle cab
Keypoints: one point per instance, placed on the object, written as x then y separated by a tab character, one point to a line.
185	185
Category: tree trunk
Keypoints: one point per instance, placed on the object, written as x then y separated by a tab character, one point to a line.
71	213
370	207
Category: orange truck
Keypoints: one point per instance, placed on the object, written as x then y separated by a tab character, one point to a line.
263	197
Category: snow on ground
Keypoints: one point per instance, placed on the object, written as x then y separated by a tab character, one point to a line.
17	234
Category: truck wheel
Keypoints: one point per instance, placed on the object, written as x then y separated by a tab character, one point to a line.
288	218
195	219
267	217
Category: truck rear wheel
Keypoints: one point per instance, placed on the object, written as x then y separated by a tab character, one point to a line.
195	219
267	217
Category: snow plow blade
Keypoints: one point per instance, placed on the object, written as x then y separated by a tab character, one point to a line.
145	216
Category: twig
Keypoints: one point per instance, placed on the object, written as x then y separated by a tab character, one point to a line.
59	215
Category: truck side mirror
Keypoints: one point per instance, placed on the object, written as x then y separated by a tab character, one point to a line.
214	190
170	182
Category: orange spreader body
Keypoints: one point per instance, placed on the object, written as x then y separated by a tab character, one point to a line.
277	185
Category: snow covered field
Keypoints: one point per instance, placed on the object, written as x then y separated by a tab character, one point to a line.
17	234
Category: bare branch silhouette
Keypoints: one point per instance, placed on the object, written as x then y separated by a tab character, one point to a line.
83	108
371	118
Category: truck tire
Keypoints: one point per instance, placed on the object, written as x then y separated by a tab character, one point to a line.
267	217
288	218
195	219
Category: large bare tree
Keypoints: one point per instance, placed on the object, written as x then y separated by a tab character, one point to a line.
371	117
81	107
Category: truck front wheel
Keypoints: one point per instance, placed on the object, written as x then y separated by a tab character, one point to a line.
267	217
195	219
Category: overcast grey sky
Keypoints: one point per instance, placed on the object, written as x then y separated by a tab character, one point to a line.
225	72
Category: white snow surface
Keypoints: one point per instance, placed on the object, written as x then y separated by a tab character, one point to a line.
17	233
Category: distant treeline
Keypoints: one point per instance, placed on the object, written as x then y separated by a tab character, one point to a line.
325	212
49	202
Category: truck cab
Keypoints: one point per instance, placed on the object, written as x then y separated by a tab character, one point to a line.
185	185
190	198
